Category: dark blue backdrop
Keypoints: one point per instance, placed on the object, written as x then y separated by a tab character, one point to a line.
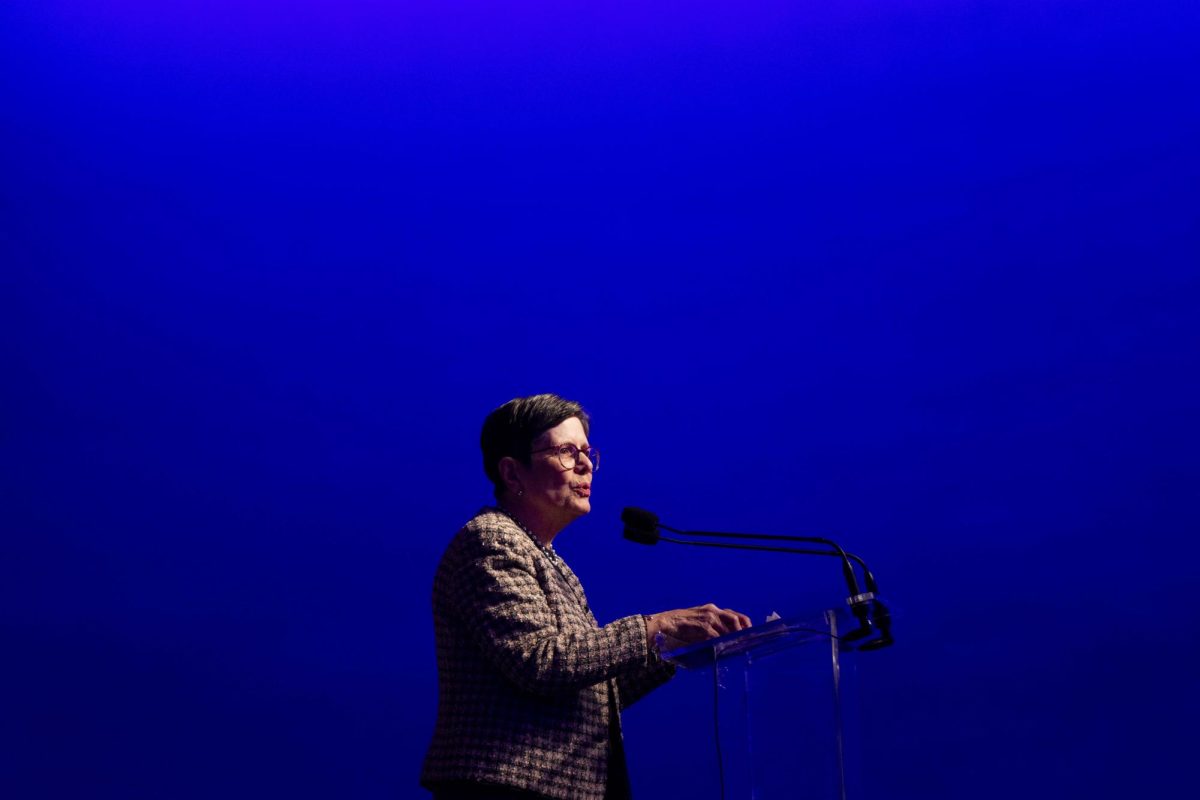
919	275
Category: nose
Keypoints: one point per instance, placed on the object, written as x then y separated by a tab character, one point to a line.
583	463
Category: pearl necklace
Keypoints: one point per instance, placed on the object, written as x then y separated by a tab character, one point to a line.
555	559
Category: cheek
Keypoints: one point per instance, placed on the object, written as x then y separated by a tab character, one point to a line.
557	488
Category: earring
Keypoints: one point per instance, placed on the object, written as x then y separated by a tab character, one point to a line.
520	492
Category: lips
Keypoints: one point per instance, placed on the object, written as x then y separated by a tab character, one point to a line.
582	489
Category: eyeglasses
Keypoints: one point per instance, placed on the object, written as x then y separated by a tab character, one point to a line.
568	455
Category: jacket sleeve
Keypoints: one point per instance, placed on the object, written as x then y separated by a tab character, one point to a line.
637	683
496	593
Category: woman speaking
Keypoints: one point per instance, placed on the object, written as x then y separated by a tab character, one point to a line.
530	686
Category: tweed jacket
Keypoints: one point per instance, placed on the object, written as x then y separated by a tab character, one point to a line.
525	674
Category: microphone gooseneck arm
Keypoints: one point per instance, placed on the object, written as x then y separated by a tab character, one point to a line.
868	578
643	526
847	570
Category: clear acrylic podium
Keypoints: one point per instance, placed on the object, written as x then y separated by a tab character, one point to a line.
785	706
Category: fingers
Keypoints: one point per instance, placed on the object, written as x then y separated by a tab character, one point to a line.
688	625
711	621
743	621
736	621
726	620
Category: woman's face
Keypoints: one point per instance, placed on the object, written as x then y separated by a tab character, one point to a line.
559	495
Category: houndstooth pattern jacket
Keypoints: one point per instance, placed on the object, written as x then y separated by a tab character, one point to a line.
524	671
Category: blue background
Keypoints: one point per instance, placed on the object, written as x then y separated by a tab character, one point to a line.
921	276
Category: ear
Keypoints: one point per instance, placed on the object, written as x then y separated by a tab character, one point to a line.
510	474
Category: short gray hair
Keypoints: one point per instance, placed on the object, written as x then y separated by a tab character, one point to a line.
509	431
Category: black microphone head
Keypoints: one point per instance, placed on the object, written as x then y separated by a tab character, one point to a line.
641	526
639	518
641	536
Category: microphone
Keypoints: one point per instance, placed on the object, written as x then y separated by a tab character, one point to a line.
641	526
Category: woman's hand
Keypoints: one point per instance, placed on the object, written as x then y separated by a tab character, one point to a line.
687	625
